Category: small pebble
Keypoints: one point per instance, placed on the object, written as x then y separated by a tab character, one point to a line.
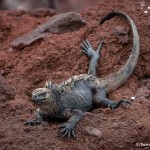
93	131
132	97
27	130
146	12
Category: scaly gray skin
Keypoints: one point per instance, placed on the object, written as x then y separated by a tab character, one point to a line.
71	98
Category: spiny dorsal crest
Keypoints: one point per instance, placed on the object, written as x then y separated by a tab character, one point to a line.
68	84
48	84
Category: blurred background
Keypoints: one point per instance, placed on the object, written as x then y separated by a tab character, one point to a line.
58	5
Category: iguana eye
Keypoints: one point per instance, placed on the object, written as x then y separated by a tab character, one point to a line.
42	94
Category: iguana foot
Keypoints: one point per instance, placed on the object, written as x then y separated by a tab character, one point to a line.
89	51
67	129
87	48
93	55
115	105
32	122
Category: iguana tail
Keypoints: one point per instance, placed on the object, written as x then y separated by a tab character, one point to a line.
115	80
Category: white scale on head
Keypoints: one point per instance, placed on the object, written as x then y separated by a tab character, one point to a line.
41	90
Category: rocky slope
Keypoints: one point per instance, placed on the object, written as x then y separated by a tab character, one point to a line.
56	58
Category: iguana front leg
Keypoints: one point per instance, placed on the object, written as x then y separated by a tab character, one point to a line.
101	100
67	128
93	55
39	118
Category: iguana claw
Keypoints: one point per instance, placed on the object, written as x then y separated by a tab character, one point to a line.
125	101
117	104
87	49
112	106
32	122
67	129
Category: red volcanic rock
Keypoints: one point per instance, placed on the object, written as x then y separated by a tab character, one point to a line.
42	12
6	90
58	24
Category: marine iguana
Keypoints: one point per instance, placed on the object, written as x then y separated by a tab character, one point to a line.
80	93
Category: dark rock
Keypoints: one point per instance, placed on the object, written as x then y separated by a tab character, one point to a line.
16	13
42	12
123	40
23	4
119	31
122	35
6	91
66	22
119	125
58	24
27	40
5	30
27	130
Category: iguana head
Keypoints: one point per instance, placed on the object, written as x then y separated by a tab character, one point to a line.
41	96
44	99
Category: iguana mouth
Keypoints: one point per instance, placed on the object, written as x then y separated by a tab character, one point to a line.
39	101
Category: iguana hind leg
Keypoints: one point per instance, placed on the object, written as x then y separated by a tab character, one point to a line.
101	100
93	55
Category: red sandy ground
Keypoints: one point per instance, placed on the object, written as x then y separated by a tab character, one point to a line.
59	57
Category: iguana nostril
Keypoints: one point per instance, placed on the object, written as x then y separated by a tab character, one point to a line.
34	97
